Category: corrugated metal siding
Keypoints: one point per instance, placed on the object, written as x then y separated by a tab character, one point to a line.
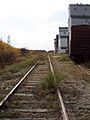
80	40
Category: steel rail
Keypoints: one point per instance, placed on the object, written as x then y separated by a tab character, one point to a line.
17	85
65	116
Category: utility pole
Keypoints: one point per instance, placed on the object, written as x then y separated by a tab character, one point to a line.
8	39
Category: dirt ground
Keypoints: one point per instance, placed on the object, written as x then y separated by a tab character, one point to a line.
74	84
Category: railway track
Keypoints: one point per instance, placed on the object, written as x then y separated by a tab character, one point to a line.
26	102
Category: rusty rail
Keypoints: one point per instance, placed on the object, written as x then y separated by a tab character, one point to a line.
65	116
17	85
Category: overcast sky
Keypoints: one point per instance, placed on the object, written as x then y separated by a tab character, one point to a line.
33	24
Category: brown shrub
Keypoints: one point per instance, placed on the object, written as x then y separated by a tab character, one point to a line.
8	54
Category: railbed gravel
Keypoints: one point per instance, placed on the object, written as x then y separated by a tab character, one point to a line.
75	89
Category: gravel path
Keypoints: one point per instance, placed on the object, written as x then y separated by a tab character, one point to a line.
75	88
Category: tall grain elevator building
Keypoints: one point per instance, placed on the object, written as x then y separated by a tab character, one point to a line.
56	44
63	39
79	30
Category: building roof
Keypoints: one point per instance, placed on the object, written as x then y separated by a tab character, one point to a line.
63	27
79	4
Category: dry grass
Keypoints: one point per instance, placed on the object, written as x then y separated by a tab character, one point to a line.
22	63
48	82
63	58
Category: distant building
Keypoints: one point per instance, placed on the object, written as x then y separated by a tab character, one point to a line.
63	39
56	44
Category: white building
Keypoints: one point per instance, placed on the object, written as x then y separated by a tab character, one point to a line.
79	14
63	39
